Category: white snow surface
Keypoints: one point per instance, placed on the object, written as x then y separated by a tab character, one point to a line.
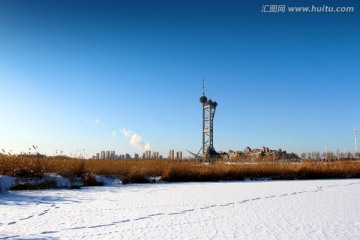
323	209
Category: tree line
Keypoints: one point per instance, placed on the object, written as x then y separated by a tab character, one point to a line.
329	155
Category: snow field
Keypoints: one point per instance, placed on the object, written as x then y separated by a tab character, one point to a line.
324	209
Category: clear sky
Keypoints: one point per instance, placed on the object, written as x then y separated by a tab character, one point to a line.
89	75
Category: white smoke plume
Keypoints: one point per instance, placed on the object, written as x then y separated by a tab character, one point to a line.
147	146
135	140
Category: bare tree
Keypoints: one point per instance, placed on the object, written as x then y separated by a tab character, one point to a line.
316	155
330	156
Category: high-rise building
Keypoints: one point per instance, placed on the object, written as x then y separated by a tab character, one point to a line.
107	156
112	155
97	156
155	155
127	156
148	154
102	156
136	156
171	154
179	155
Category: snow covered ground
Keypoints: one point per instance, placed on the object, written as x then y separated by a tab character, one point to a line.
324	209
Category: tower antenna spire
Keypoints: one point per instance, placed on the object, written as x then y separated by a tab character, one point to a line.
203	87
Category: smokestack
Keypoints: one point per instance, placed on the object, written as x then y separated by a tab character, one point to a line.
356	149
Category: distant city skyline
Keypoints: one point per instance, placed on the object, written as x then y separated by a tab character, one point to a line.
82	77
147	154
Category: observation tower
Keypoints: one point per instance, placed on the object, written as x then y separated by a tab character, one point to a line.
208	113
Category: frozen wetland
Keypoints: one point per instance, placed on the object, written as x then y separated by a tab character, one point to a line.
322	209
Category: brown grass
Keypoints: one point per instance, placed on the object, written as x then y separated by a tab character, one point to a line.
173	171
279	171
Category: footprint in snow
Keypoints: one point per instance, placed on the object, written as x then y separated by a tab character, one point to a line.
156	214
103	225
226	204
122	221
75	228
206	207
176	213
43	213
47	232
270	196
140	218
26	217
185	211
303	192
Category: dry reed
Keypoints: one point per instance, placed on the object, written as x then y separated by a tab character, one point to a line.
174	171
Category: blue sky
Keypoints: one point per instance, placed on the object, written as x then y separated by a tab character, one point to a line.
72	72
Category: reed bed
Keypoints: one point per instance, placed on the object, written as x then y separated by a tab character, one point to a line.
175	171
